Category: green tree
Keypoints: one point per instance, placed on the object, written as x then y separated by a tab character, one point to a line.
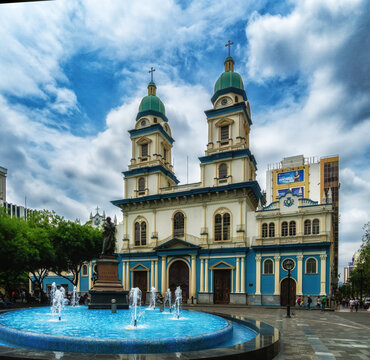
74	244
360	275
14	251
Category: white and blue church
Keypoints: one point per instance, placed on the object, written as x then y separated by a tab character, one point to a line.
216	238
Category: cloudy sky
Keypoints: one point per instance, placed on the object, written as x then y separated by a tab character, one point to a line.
73	72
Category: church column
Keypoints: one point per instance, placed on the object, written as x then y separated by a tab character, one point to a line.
193	276
128	276
242	288
163	282
206	276
237	270
277	275
156	274
124	275
323	274
258	274
299	274
152	274
90	274
201	275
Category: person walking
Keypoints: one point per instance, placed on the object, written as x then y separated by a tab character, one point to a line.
309	302
357	303
323	302
318	302
351	304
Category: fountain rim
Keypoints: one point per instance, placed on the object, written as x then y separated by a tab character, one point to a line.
46	341
266	344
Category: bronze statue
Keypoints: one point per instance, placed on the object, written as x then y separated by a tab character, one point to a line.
109	234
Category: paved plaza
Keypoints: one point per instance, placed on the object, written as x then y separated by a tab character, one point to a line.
312	334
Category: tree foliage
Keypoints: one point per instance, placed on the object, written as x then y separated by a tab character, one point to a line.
74	244
360	275
45	242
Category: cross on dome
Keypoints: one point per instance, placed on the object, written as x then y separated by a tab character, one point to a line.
229	45
151	73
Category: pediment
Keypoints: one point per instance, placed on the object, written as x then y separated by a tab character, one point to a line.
176	243
139	267
221	265
224	122
143	140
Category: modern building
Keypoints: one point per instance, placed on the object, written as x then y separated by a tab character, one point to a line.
312	178
3	173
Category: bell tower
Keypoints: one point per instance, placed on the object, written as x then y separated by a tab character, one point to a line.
151	165
227	157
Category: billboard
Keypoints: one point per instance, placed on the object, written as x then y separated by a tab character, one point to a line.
295	191
290	177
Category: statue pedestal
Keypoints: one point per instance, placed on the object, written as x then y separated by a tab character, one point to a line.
108	286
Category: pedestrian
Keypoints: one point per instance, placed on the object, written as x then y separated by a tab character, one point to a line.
357	303
318	302
351	304
323	302
309	301
299	301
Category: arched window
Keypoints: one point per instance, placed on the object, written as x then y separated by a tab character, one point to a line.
84	270
222	171
271	230
268	267
316	226
292	228
222	227
311	266
178	224
144	151
284	229
141	186
264	230
307	227
140	233
224	133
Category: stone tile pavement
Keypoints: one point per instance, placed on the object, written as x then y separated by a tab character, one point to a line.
311	334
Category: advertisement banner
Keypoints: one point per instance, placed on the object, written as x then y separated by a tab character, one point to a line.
295	191
290	177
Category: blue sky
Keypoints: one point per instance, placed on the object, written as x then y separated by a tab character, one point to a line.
73	74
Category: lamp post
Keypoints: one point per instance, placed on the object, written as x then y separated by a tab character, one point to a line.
288	265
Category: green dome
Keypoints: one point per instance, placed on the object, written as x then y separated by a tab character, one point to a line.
229	79
152	102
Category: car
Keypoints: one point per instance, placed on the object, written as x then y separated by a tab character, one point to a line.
367	303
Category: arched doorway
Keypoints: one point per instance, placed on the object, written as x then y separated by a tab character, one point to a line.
284	292
179	276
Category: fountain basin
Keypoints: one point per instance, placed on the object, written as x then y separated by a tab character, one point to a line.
100	331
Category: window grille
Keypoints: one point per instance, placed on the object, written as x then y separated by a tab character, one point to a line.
284	229
178	225
271	230
222	171
311	266
268	267
264	230
224	133
315	226
307	227
292	228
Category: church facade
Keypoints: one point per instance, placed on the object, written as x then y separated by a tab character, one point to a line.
218	238
210	237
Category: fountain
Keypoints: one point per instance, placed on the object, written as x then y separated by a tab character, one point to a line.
178	301
193	335
58	303
153	296
74	298
167	299
135	303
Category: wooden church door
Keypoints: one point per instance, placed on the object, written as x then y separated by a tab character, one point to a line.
140	281
284	292
221	287
179	276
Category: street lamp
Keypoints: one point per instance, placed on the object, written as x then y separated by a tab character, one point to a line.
288	265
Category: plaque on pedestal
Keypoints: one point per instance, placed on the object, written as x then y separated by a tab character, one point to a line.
108	286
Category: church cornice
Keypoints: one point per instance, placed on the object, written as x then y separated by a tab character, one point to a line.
228	155
252	186
151	129
294	246
228	110
151	112
229	90
150	169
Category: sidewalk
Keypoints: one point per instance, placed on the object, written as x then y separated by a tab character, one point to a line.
311	334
